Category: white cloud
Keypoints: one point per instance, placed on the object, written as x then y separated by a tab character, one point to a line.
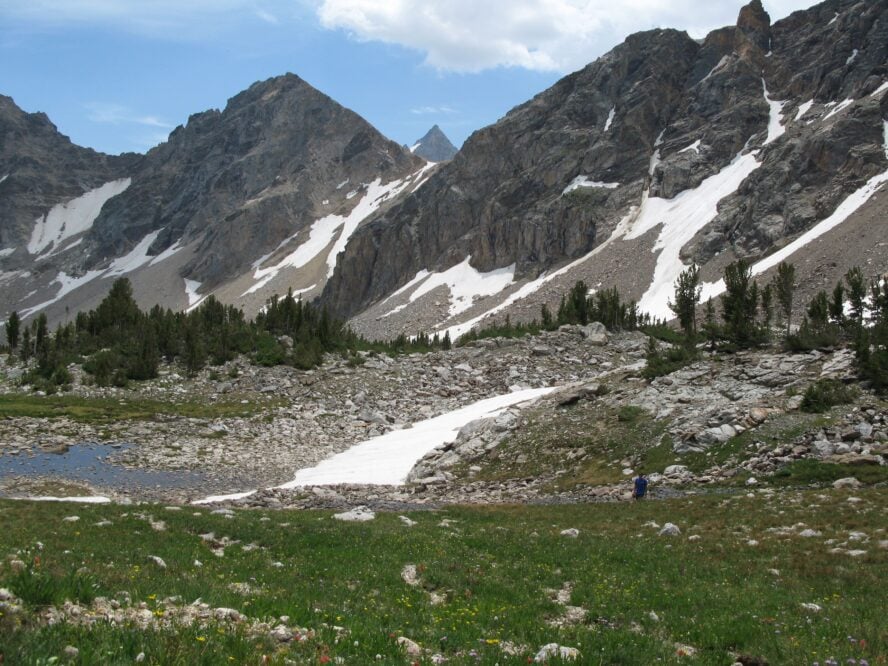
117	114
433	110
543	35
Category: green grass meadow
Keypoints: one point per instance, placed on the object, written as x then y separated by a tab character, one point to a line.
727	587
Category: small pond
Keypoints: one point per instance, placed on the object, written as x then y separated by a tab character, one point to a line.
88	463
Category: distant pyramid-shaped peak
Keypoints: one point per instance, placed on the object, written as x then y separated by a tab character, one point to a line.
434	146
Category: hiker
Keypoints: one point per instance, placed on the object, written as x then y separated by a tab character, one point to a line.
640	488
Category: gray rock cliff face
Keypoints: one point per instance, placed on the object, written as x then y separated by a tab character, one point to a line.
655	117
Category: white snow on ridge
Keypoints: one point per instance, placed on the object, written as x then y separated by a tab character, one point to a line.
464	282
135	258
166	254
414	147
336	229
388	459
878	91
610	118
583	181
844	210
74	217
775	117
834	19
840	107
803	109
681	219
683	216
69	284
694	146
4	178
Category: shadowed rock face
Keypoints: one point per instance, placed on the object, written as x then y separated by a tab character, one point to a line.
435	146
42	168
502	199
241	180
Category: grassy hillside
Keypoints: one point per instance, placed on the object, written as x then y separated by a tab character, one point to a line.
486	585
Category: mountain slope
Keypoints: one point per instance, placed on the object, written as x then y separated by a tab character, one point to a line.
244	202
39	167
729	147
434	146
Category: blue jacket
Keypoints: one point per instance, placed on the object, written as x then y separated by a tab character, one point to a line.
641	486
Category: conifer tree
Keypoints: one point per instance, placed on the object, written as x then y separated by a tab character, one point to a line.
687	296
13	326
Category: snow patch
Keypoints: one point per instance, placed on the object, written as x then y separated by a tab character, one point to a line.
74	217
343	184
583	181
4	178
834	19
388	459
610	118
694	146
531	287
166	254
69	284
464	282
681	218
336	229
878	91
844	210
803	109
775	117
840	107
91	499
721	63
415	146
852	57
135	258
194	298
5	252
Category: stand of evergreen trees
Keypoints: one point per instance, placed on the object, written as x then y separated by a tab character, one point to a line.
854	313
117	342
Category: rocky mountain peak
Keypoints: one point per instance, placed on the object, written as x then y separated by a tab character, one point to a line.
434	146
755	22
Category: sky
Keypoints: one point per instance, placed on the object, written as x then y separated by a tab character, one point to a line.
119	75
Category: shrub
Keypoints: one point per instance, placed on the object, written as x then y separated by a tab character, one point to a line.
826	393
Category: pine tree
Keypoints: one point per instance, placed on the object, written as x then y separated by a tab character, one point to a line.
856	294
740	304
13	326
784	286
687	296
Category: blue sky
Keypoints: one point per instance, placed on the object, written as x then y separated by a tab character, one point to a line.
119	75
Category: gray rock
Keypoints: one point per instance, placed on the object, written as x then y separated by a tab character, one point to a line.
669	529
